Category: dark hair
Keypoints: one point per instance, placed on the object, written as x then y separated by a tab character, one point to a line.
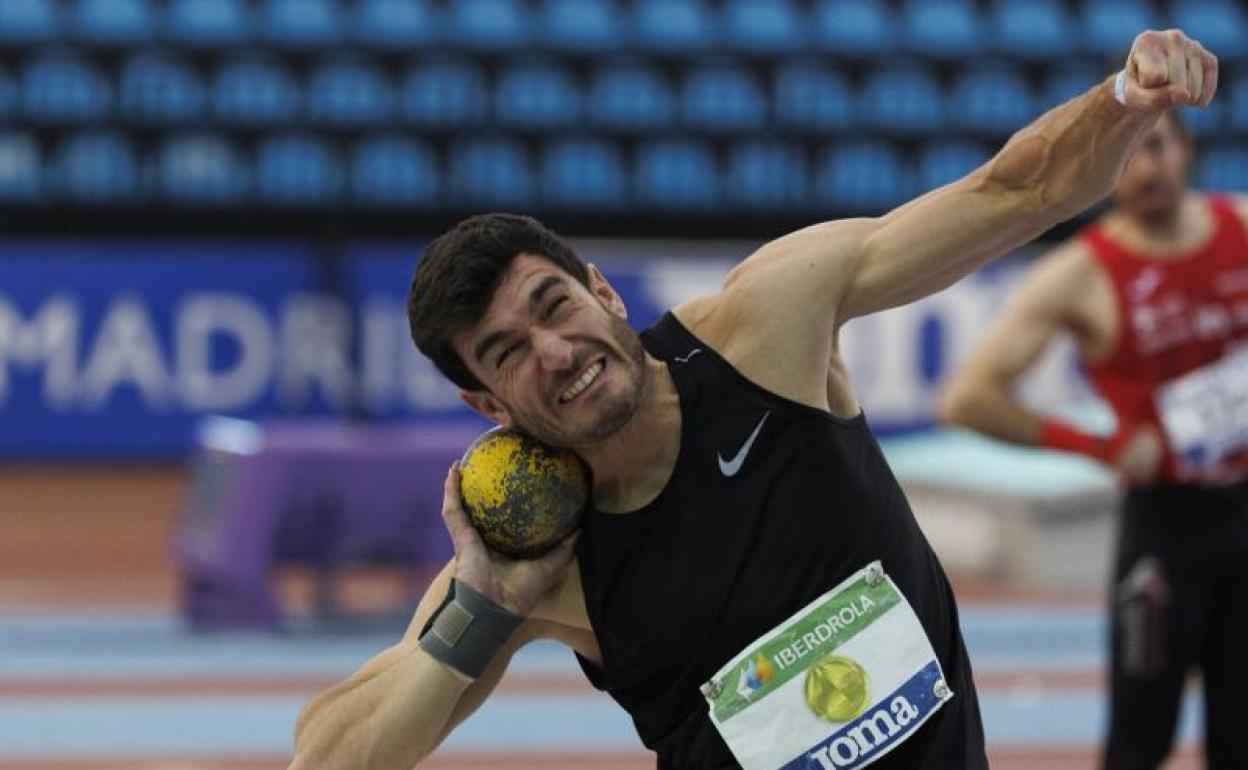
458	273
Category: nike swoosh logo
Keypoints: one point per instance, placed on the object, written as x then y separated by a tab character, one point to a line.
730	467
690	355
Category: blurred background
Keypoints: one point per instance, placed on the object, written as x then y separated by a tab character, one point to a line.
220	455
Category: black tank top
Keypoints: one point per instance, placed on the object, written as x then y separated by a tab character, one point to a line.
754	524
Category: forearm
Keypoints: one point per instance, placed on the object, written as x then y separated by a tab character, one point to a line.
391	714
1069	158
991	410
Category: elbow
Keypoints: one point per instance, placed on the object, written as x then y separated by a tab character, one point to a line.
956	405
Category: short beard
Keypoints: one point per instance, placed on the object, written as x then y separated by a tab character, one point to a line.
616	414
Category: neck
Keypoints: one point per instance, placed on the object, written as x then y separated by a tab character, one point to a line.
632	466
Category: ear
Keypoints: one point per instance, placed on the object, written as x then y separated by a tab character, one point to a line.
599	287
485	404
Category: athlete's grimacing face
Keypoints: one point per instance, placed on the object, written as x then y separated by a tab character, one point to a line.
1152	184
558	359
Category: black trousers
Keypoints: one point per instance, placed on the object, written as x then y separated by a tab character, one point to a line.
1180	602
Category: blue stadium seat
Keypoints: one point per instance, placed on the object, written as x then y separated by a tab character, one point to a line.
768	176
764	26
1206	122
994	100
255	91
943	161
1033	29
677	175
444	94
864	28
491	172
112	22
97	168
583	174
723	98
812	98
902	100
202	170
303	23
943	28
21	168
630	97
390	171
25	22
161	88
673	26
1223	168
9	96
401	25
1109	26
492	25
297	170
349	92
537	96
63	88
209	23
1220	25
1237	103
1065	83
580	25
863	176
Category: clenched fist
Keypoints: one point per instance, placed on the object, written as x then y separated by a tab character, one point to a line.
1168	69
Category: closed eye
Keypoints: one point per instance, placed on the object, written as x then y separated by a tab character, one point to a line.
506	352
550	311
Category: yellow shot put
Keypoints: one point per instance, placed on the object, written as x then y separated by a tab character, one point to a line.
521	495
836	688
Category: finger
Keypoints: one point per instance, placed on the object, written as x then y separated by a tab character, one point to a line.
1195	72
1176	66
1151	98
461	530
1208	63
1148	61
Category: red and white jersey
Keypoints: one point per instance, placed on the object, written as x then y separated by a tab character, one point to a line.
1181	321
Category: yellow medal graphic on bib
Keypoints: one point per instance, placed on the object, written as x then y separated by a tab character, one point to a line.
836	689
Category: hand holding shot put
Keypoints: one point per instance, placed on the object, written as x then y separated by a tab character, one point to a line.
516	583
744	535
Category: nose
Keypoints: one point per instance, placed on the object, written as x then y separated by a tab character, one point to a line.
554	352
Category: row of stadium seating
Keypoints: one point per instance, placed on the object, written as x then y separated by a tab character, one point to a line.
1039	29
394	171
155	89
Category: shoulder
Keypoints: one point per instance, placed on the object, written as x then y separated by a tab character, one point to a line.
800	270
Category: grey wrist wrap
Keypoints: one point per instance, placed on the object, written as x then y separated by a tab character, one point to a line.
467	630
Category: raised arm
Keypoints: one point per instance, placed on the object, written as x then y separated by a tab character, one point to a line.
397	708
1059	165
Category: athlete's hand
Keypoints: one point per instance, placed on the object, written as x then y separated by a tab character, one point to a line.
1169	69
1139	455
517	584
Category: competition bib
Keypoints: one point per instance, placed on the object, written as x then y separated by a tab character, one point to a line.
838	685
1205	413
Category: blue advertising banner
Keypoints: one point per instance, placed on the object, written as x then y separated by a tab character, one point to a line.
113	349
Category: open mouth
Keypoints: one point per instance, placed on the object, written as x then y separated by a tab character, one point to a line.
582	383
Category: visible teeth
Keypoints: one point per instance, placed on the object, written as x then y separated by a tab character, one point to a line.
582	383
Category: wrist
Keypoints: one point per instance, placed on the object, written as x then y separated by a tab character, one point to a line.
468	630
1055	434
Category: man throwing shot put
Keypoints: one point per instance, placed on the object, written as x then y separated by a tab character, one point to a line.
749	582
